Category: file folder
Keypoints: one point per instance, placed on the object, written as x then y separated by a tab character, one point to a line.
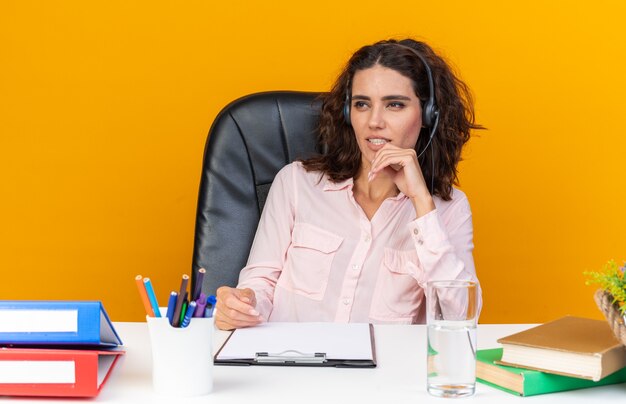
55	372
56	323
301	344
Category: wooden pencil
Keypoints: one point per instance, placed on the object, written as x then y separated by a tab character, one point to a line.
180	299
144	296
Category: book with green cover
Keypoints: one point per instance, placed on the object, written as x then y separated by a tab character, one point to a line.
527	382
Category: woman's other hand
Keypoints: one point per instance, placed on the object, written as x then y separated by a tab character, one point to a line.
235	308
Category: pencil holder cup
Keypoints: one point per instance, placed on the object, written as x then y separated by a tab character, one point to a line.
182	360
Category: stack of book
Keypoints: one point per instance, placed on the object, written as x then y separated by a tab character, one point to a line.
565	354
55	348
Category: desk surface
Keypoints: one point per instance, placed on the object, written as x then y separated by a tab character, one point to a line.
399	378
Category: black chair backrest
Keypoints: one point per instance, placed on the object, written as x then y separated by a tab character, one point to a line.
249	142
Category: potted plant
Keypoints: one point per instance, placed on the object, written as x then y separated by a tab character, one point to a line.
611	297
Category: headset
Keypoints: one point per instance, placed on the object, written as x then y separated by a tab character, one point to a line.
430	112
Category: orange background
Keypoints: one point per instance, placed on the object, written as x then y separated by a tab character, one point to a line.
105	107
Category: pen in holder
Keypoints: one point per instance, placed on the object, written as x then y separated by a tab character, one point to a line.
182	360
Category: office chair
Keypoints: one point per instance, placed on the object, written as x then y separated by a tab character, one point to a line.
250	140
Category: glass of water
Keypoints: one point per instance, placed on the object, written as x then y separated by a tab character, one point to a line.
451	313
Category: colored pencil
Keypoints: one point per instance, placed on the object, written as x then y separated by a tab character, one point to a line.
198	284
180	299
144	296
152	297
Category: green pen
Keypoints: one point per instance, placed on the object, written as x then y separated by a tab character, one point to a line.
183	311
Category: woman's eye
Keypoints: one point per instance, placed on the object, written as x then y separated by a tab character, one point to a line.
396	105
360	104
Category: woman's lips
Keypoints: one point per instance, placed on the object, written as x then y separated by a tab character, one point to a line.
377	140
376	143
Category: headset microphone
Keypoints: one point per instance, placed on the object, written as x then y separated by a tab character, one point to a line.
431	135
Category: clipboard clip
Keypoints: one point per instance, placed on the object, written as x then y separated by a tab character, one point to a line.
290	356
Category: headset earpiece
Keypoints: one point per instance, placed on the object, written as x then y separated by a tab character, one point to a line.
347	106
429	114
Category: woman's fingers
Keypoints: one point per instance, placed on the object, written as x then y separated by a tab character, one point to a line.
402	166
241	300
394	158
235	308
247	295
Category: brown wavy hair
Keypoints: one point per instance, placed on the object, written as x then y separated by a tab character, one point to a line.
342	157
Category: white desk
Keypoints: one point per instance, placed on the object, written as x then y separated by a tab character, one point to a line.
399	378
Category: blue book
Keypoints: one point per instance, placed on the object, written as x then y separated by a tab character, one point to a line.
86	323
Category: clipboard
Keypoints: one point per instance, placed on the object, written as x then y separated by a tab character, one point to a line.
345	345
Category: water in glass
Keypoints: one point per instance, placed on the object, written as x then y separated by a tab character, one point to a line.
451	358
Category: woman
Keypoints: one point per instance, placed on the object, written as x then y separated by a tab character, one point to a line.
355	235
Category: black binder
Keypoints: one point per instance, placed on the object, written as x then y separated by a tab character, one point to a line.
266	334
